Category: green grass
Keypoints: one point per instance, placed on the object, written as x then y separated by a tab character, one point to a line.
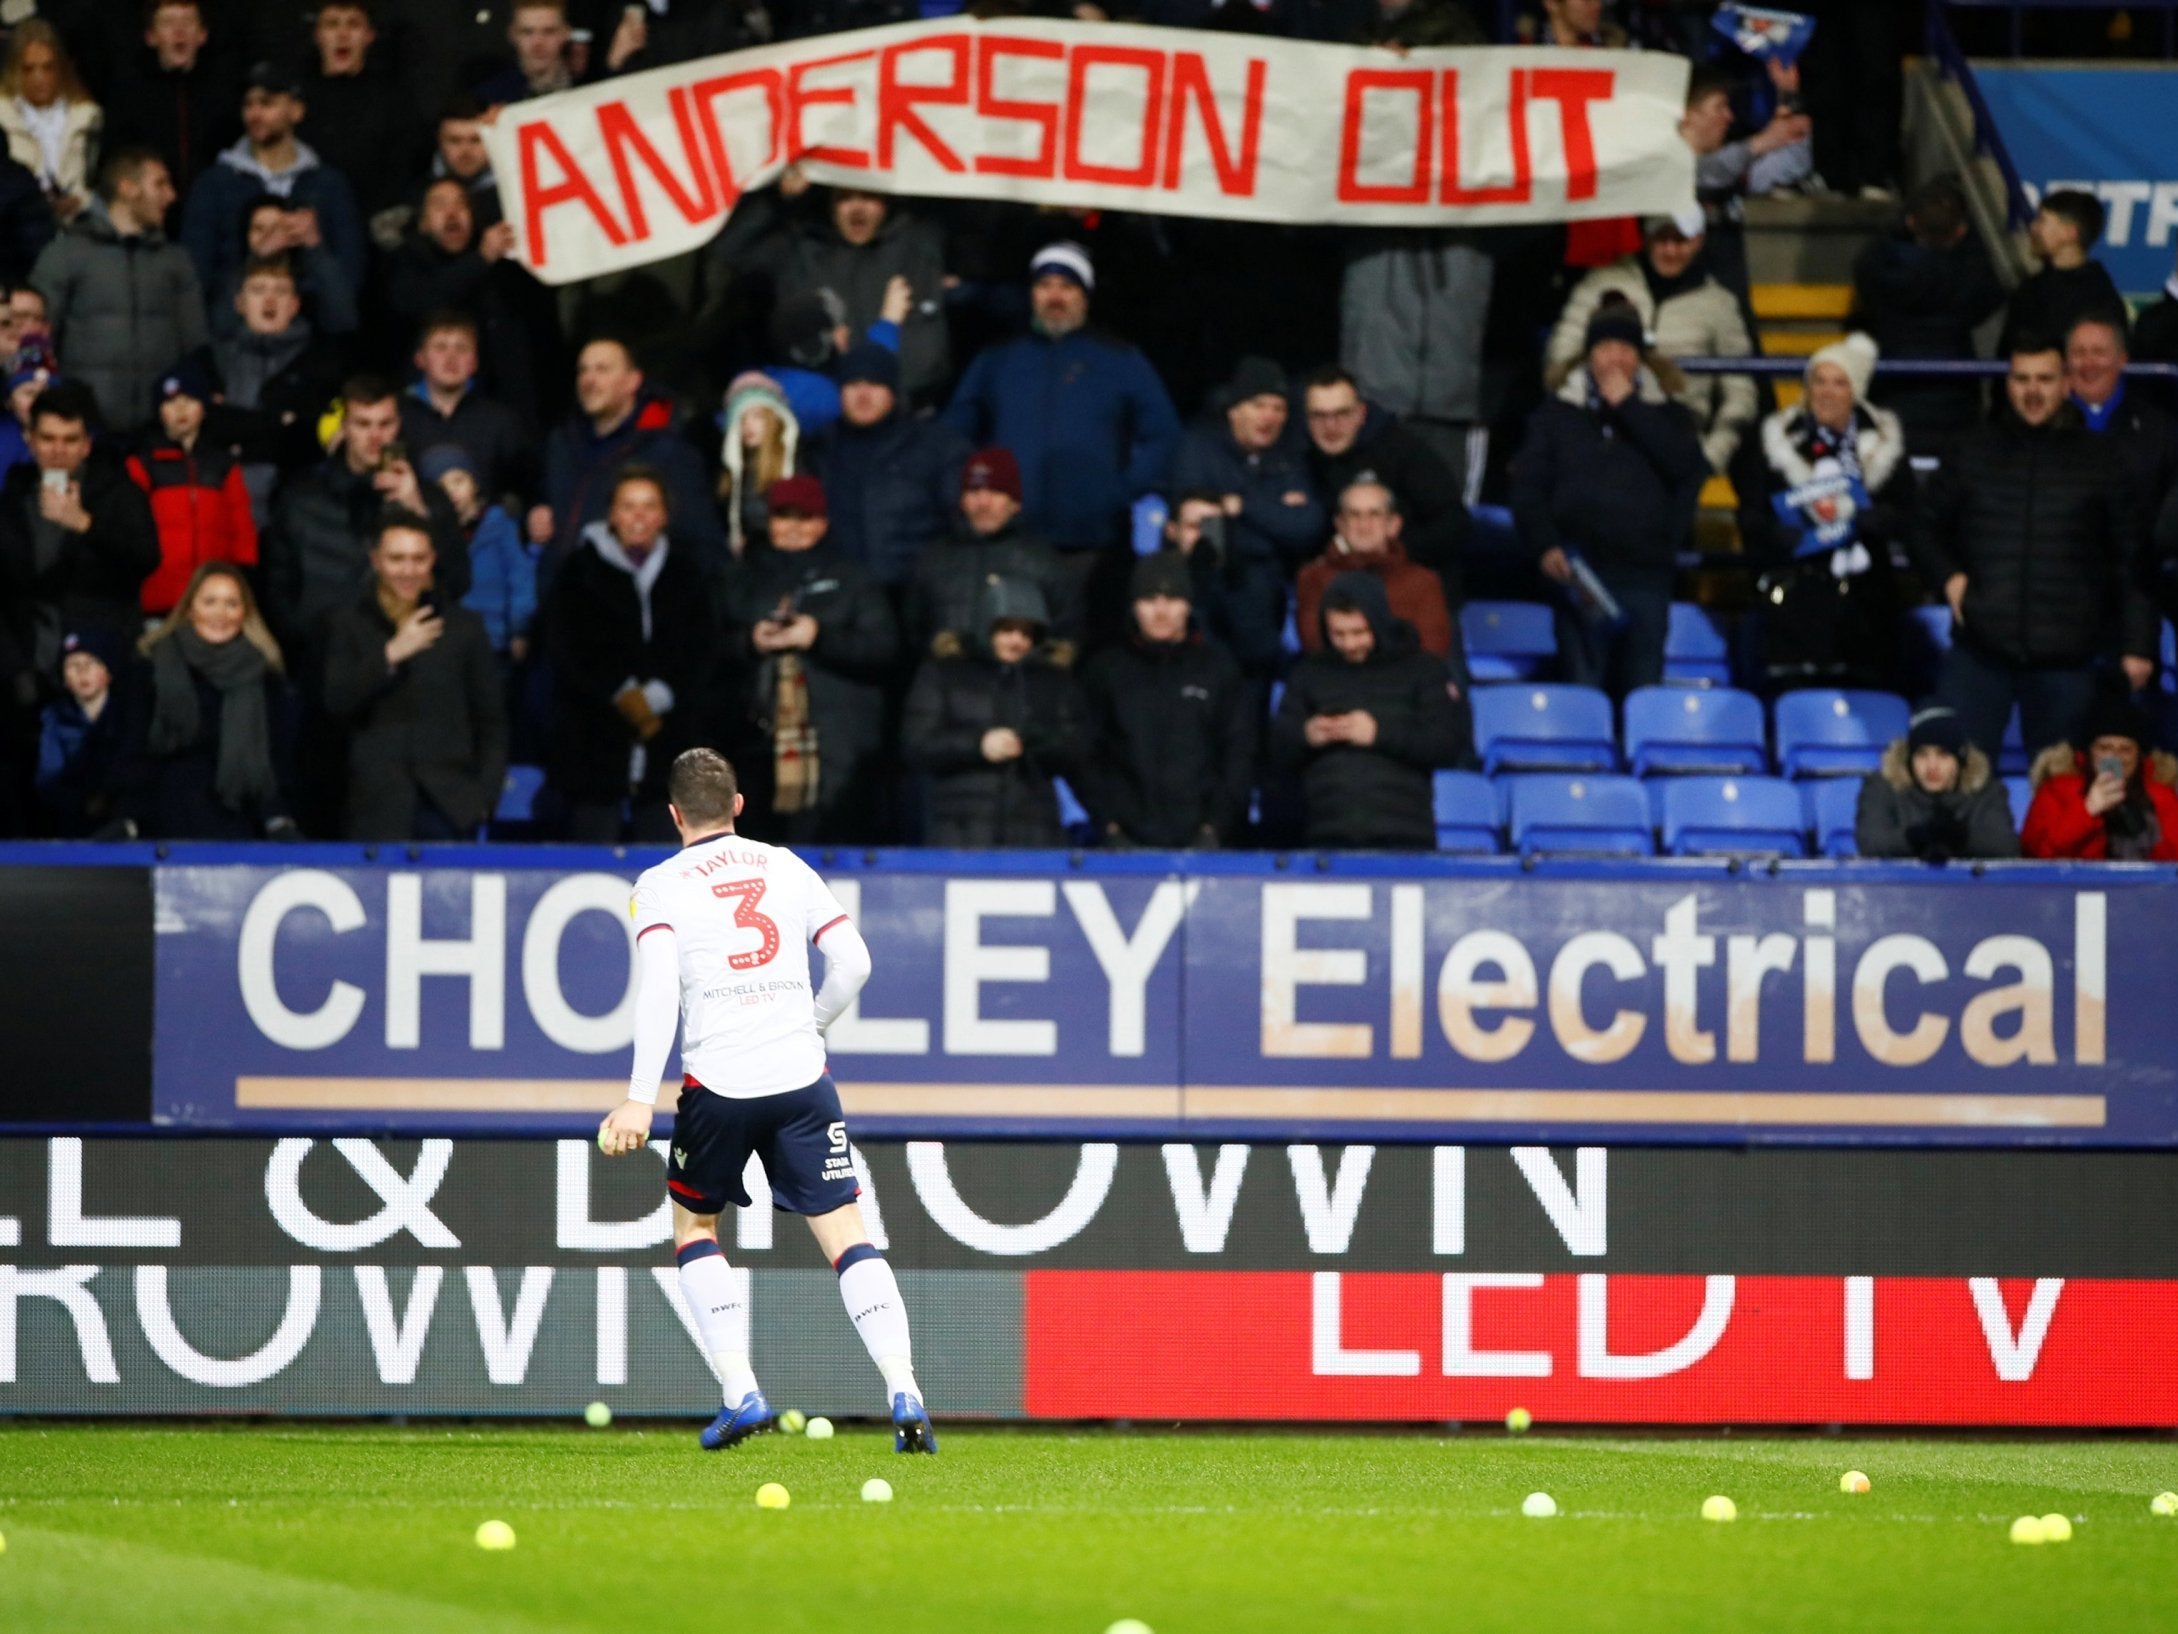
248	1527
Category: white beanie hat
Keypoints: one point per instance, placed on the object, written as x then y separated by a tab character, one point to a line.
1856	355
1066	257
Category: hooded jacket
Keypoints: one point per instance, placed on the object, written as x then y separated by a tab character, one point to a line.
1171	742
578	480
216	235
200	508
2059	824
1428	491
124	308
1377	797
1414	594
1896	817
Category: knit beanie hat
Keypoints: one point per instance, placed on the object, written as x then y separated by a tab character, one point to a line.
1937	728
1616	319
1162	573
751	389
1856	355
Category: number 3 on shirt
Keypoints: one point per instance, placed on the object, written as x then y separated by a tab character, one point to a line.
746	894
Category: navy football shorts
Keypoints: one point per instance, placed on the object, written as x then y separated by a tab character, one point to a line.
800	1135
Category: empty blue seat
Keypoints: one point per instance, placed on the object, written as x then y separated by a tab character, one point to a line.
1467	812
1706	729
1544	728
1508	640
1593	815
2020	792
1146	524
518	795
1824	732
1696	651
1734	816
1832	804
2012	759
1073	815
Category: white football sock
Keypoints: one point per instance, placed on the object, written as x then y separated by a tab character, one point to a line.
719	1297
872	1296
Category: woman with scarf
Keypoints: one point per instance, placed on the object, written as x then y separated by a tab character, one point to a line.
49	119
218	731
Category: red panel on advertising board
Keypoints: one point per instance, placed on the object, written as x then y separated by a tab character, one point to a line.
1622	1349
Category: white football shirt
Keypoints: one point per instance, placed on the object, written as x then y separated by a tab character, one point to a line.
743	915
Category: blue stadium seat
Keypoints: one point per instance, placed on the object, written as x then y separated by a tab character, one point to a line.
1073	815
1467	813
2170	657
1277	696
518	795
1508	640
1696	650
1594	815
1737	816
1148	521
2020	792
1491	530
1824	732
1704	729
1544	728
2012	759
1832	804
1289	638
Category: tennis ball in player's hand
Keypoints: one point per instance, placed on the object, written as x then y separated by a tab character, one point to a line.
2029	1529
597	1415
2057	1528
793	1421
771	1495
1539	1506
820	1429
495	1535
2163	1503
1719	1508
1853	1481
877	1490
1518	1420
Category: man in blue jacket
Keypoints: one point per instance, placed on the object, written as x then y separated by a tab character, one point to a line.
1082	412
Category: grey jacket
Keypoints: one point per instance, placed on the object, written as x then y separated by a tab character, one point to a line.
124	311
1898	818
1411	310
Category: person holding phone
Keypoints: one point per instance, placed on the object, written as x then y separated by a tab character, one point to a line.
2114	801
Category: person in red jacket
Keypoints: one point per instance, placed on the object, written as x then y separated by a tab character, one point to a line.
2115	802
198	500
1367	541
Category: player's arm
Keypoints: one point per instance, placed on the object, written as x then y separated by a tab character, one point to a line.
846	968
657	1011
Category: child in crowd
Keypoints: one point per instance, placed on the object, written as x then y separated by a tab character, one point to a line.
81	738
503	568
2070	284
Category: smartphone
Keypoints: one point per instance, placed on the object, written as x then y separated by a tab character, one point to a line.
54	482
2105	765
429	599
395	453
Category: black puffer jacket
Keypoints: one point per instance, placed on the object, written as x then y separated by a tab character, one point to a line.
1171	742
1896	817
95	578
955	574
2043	523
1378	797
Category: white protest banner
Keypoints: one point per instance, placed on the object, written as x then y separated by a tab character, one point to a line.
1169	121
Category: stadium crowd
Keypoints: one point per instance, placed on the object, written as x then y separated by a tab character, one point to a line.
319	513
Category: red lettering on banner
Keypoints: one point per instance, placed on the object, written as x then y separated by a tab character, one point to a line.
1043	115
704	96
800	98
1517	190
1152	64
573	186
1416	82
624	140
1573	89
1191	81
896	101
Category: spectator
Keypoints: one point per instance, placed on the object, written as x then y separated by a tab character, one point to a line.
540	36
991	726
628	633
1686	313
1579	23
1609	474
83	740
29	374
124	302
361	120
76	539
762	446
1366	538
892	480
447	262
814	642
621	423
1195	531
199	504
1365	722
273	232
2155	339
1856	94
1412	307
502	569
219	730
2145	434
811	336
1726	172
1822	526
277	378
1920	294
2114	802
445	406
1935	799
174	96
414	684
1083	414
26	225
51	124
2032	532
317	551
1170	748
268	159
460	155
2070	284
1352	440
945	599
662	32
1251	456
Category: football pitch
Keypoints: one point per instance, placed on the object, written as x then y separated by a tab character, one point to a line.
247	1527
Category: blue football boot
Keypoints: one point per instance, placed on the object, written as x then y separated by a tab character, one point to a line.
912	1430
736	1424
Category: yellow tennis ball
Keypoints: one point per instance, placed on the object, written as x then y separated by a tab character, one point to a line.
1853	1481
2057	1528
2163	1503
1719	1508
877	1490
597	1415
2029	1529
793	1421
1518	1420
771	1495
1129	1625
819	1429
495	1535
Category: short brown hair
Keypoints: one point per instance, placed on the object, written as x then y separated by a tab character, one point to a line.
702	787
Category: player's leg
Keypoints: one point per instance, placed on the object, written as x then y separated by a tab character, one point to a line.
871	1294
703	1177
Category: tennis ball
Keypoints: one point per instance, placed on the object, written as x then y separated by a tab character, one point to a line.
1518	1420
2029	1529
877	1490
1539	1506
2057	1528
1129	1625
601	1146
1853	1481
793	1421
771	1495
1719	1508
820	1429
3	1544
597	1415
495	1535
2163	1503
